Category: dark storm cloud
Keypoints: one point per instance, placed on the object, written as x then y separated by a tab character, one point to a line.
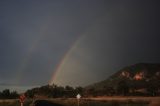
39	33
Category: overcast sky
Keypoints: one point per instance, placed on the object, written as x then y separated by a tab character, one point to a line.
85	41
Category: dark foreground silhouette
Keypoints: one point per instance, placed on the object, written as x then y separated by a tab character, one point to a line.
46	103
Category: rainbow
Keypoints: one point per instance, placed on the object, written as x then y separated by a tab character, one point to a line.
65	58
74	46
43	31
19	74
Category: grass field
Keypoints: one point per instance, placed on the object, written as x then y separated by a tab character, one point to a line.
14	102
99	101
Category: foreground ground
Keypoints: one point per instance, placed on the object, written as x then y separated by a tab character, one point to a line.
99	101
153	101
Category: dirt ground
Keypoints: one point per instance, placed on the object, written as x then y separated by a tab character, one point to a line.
153	101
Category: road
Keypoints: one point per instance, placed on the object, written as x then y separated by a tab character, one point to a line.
45	103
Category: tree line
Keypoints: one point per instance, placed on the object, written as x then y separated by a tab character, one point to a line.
7	94
53	91
123	89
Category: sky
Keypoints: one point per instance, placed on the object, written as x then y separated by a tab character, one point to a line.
74	42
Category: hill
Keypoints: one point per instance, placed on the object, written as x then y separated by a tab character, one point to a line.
138	79
141	79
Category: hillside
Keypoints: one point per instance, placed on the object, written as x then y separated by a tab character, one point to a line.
136	80
142	78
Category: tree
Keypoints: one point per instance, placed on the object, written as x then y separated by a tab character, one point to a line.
6	94
152	88
109	91
14	95
69	91
123	88
79	90
29	93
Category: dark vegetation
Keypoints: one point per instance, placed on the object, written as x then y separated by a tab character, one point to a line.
7	94
54	91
